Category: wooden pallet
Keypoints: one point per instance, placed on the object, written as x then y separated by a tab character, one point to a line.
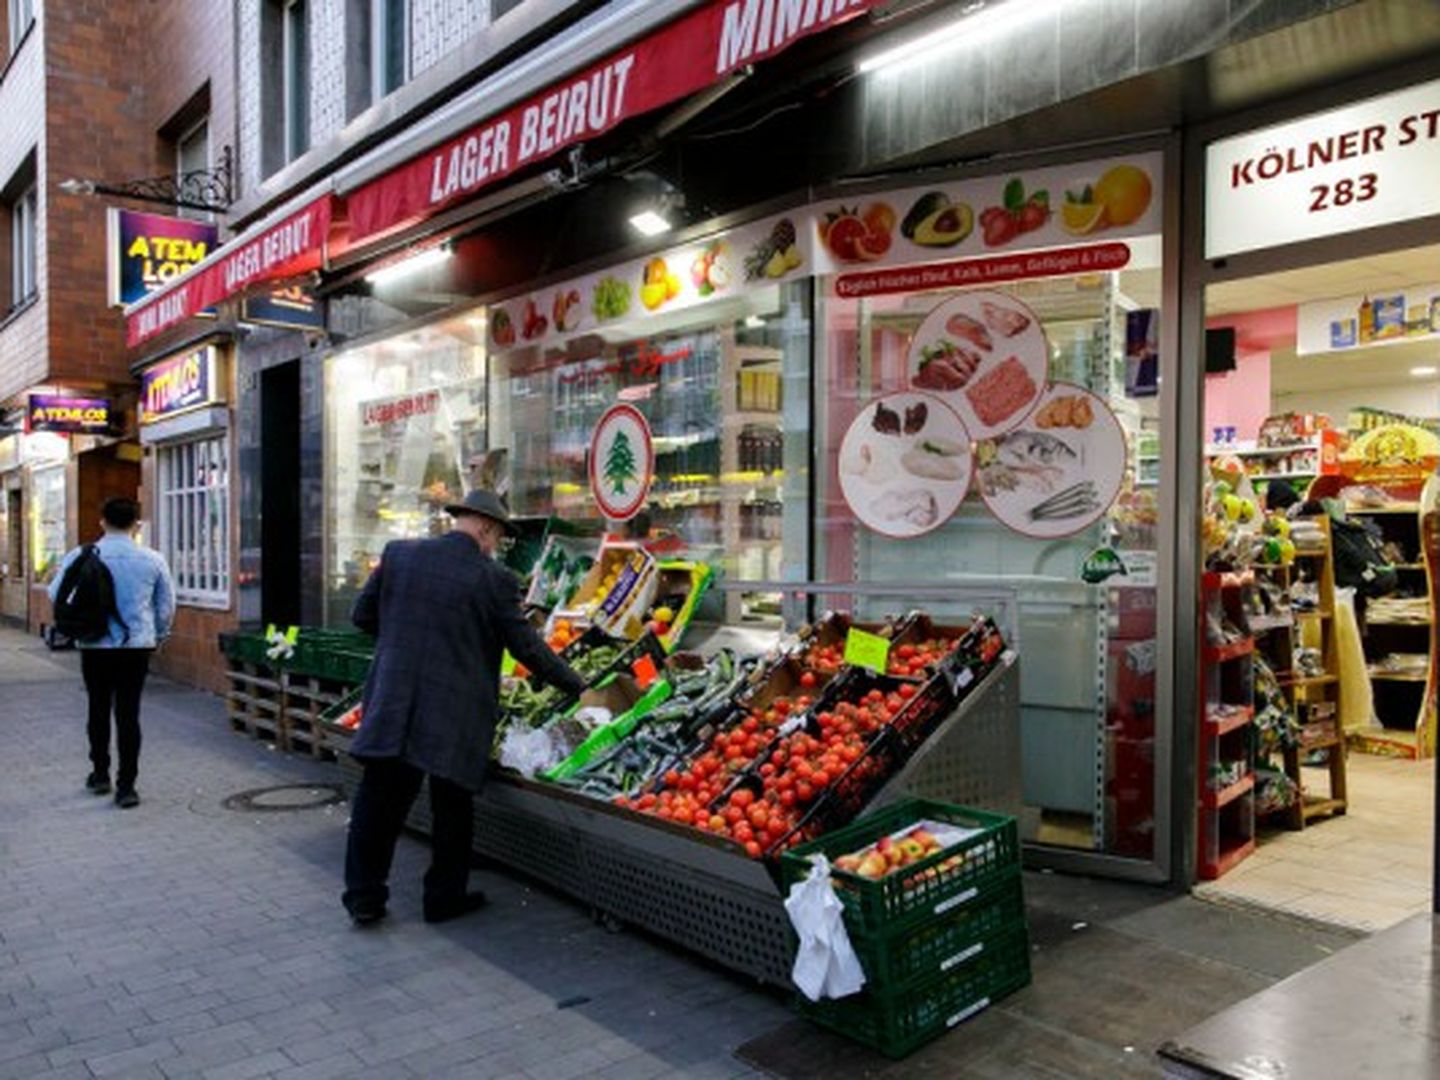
307	697
255	703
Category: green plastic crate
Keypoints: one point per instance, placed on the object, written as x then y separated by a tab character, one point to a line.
609	736
246	648
926	889
897	1023
899	961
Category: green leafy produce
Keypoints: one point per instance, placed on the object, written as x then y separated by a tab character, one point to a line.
611	299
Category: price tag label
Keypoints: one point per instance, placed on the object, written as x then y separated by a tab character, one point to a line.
645	671
864	649
507	664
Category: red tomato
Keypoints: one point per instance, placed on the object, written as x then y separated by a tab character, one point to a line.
807	679
820	779
787	797
753	849
742	798
804	792
906	691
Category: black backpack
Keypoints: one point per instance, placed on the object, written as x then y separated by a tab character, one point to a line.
85	603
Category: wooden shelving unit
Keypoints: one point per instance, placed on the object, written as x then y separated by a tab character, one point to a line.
1403	704
1226	751
1314	698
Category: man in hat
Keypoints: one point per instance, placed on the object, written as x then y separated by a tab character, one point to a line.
443	610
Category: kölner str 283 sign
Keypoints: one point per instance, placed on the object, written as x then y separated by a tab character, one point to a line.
1367	164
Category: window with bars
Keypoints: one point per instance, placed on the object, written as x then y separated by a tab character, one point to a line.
192	520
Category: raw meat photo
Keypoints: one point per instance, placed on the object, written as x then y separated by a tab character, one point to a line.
1002	392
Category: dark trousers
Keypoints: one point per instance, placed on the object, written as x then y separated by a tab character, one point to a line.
114	679
387	791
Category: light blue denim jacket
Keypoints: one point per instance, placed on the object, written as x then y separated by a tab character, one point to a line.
144	593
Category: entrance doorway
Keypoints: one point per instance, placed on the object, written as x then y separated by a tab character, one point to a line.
12	557
1317	753
280	494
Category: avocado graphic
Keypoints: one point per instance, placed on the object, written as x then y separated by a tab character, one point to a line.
935	221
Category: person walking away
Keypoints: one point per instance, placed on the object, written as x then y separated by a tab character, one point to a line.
443	610
117	600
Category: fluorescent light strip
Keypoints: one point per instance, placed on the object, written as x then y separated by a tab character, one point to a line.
420	261
1422	372
972	29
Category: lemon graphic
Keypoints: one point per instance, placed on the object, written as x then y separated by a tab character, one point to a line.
1081	219
1124	192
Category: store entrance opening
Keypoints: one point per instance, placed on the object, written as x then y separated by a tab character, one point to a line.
280	494
1319	648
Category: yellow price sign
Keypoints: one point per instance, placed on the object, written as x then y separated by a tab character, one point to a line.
507	664
864	649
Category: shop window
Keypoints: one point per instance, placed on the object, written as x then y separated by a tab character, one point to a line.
192	520
47	521
20	14
723	393
406	422
1035	531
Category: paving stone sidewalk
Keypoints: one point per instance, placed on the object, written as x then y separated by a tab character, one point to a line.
185	939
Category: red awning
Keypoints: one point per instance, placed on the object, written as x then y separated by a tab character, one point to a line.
293	245
678	60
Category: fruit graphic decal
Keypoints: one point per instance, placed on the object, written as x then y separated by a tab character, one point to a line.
620	463
611	298
1120	197
852	236
935	221
533	324
658	285
1021	213
711	270
565	309
502	329
776	255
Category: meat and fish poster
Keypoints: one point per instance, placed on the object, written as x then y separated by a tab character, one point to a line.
1047	458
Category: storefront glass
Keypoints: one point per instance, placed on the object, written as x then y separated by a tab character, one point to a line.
405	425
1053	512
47	521
723	391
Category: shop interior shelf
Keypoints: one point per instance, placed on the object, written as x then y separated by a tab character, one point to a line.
1399	676
1261	624
1216	727
1229	859
1316	806
1214	800
1308	680
1219	654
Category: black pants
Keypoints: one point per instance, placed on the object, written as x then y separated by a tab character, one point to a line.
386	793
114	679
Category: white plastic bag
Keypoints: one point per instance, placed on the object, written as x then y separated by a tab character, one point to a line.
826	964
526	750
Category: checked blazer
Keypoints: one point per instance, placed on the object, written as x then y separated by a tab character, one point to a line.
443	611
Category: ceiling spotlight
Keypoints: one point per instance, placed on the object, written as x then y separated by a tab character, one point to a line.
650	223
755	322
421	260
1422	372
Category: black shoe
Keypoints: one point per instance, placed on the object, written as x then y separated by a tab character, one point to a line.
438	913
97	783
363	915
126	799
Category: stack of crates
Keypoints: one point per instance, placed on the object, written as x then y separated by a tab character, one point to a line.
940	939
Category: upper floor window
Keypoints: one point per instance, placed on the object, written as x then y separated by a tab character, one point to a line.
19	15
389	46
295	77
19	216
192	155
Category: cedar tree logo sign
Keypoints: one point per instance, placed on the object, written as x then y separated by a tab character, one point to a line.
622	462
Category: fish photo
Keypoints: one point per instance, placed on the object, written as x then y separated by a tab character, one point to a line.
1058	481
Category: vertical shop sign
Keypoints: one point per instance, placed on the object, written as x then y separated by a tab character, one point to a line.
622	462
1366	164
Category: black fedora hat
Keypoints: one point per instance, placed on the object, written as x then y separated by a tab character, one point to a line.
485	504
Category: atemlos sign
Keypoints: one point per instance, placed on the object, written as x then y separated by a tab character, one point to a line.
1367	164
67	415
178	384
677	61
292	246
147	250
